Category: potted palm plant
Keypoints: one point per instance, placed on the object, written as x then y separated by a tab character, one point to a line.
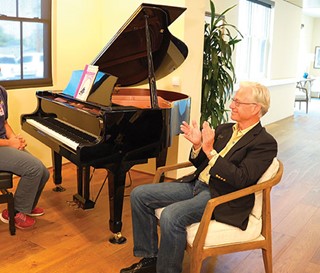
218	75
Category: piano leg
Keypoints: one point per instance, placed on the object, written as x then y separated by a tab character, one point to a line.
82	198
116	179
161	161
57	178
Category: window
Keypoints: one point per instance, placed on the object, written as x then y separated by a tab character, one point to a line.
253	51
25	43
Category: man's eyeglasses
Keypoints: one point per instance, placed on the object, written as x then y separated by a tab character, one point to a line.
237	103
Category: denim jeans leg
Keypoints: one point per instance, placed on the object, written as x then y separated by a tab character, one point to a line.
33	176
173	222
184	202
144	200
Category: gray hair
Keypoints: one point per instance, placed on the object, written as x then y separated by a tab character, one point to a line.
260	95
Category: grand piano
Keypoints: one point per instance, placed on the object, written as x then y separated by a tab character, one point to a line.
120	124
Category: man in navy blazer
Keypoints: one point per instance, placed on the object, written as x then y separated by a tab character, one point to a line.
231	157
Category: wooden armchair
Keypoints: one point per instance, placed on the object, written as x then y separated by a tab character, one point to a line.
211	238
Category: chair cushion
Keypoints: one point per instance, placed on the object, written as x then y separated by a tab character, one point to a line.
300	95
5	180
220	233
268	174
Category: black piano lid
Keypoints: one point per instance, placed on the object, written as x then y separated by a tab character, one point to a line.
125	56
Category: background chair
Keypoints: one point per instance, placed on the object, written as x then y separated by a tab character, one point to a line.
7	197
211	238
302	95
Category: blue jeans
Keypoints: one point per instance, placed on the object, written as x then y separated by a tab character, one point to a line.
185	204
33	176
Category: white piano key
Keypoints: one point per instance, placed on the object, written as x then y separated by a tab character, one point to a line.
67	141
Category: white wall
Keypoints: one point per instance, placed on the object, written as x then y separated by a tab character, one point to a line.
281	100
315	42
306	56
285	41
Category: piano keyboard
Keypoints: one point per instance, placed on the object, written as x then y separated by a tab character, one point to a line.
61	132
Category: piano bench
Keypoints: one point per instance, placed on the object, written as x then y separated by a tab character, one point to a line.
7	197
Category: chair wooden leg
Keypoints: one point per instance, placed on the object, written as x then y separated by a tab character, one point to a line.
267	260
195	267
307	107
195	264
12	226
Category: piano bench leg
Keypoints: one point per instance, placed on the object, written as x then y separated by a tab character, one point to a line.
117	238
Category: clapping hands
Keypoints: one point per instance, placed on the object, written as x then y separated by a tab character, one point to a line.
204	138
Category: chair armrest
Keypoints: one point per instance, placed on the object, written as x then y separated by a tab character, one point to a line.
214	202
162	170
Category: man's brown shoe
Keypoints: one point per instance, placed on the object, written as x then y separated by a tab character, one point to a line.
146	265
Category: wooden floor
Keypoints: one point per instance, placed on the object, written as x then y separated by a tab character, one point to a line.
71	240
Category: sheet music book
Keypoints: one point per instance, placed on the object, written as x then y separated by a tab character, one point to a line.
86	82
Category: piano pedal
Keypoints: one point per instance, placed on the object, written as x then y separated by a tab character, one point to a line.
73	204
117	238
58	188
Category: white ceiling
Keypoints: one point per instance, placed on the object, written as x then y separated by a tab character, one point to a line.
313	12
309	7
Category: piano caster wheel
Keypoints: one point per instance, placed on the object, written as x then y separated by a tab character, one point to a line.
59	188
117	238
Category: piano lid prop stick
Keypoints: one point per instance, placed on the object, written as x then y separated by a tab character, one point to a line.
151	76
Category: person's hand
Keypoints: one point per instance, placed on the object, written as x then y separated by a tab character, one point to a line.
17	142
23	142
207	137
192	133
14	142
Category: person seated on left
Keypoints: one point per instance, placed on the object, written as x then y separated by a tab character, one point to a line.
33	174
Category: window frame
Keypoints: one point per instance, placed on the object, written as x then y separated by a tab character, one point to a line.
46	20
264	61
